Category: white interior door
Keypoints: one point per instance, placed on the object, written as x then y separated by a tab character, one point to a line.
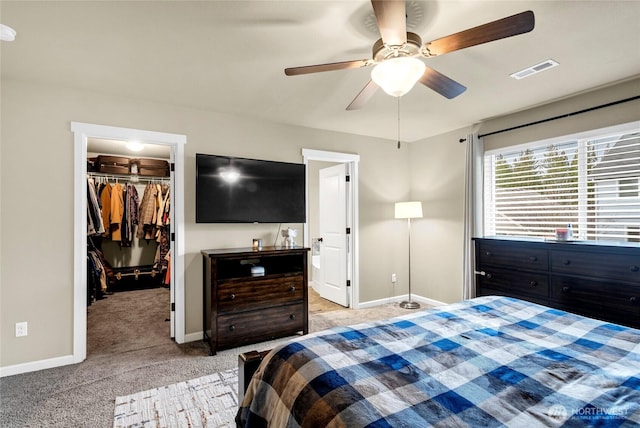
334	248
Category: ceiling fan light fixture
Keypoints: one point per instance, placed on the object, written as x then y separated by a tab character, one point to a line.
396	76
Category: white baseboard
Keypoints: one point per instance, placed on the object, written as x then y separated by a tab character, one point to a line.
34	366
193	337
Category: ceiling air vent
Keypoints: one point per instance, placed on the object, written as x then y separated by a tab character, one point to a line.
534	69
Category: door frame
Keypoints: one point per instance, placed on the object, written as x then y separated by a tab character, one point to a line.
353	264
81	132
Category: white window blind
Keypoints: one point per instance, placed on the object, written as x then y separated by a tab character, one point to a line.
592	184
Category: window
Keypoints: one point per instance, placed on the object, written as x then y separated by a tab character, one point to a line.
628	188
590	183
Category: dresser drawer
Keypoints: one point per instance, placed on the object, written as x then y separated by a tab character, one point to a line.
600	265
512	256
260	325
259	293
620	302
516	283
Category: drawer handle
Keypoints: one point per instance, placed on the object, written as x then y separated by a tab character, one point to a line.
633	300
566	289
634	268
566	262
292	317
232	297
232	328
533	283
292	288
533	258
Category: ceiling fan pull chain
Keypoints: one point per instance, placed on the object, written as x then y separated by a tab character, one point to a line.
398	122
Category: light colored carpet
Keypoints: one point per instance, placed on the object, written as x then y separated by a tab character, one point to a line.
207	401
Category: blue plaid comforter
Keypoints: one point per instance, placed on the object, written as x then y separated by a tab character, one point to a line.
489	362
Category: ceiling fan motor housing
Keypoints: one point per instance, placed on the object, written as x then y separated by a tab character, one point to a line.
382	52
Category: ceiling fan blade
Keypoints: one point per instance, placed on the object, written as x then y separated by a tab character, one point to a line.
392	21
442	84
506	27
361	99
307	69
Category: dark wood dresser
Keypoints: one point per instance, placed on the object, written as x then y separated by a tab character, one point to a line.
241	307
599	280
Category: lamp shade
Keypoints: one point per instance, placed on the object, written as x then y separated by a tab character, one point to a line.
396	76
409	209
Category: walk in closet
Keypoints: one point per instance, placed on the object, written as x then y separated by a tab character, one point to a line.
128	224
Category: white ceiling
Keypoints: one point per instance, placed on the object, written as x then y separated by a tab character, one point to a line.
229	56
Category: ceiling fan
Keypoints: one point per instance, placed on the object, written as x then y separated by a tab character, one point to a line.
396	55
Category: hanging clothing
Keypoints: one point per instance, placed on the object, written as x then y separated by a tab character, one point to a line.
124	223
118	213
147	212
94	212
130	217
117	210
133	206
167	275
105	198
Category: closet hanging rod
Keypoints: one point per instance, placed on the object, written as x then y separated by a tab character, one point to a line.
129	177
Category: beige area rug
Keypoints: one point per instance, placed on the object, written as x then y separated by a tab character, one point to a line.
208	401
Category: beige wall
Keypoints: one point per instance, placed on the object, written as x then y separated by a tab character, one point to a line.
36	278
437	179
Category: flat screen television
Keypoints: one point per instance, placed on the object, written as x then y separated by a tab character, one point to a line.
238	190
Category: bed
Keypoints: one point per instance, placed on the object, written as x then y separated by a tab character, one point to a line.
490	361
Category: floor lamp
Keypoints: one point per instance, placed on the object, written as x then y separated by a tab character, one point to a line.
409	210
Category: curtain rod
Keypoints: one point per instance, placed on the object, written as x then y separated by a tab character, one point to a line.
562	116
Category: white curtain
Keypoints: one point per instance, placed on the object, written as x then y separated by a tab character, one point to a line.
472	210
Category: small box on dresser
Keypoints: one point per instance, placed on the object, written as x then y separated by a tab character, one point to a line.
240	308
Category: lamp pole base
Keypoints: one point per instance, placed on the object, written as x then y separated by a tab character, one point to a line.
408	304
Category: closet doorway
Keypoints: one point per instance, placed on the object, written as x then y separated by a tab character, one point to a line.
141	258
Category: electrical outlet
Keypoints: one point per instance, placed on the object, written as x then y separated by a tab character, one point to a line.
21	329
394	278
